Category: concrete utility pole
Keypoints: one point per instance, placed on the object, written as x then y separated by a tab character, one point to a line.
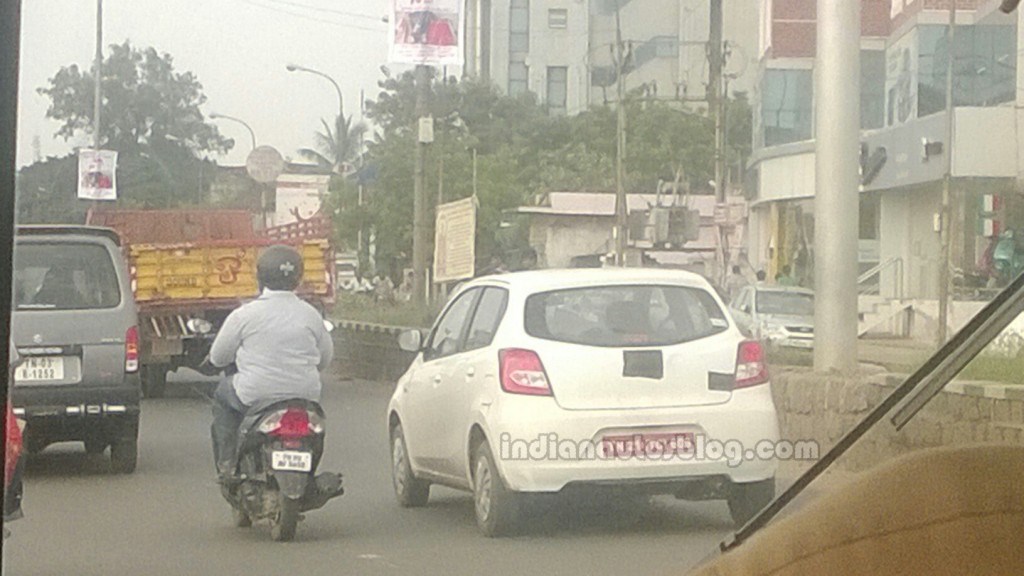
419	202
946	213
621	208
837	181
716	108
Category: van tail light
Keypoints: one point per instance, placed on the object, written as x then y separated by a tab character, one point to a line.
751	369
292	424
523	373
131	349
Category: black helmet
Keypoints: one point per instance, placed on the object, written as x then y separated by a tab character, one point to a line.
279	268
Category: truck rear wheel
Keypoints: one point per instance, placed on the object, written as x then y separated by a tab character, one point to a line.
154	380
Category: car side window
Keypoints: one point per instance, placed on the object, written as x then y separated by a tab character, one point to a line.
489	313
446	338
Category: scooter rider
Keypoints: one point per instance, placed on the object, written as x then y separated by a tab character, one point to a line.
279	344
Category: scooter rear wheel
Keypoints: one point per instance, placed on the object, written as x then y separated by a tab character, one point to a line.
282	528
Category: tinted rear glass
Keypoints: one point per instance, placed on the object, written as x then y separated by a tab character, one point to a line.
648	315
64	276
791	303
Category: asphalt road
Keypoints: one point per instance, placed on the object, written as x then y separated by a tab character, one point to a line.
169	518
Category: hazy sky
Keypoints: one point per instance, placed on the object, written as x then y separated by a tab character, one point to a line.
237	48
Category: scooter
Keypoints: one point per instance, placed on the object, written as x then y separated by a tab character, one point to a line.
280	446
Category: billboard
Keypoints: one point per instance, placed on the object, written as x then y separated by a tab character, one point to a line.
901	70
299	197
455	241
428	32
97	174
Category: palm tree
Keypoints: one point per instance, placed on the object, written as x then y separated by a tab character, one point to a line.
336	147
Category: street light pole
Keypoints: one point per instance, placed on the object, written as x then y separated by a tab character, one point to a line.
341	101
252	135
621	208
98	80
419	201
945	214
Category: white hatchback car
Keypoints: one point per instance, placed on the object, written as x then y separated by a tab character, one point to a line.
632	381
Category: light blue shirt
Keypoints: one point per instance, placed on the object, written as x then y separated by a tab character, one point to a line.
280	345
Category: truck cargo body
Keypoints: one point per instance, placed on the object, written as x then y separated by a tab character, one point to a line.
190	269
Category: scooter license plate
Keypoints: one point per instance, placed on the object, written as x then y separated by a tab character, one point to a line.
291	461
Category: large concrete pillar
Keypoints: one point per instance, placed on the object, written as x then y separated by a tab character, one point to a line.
837	180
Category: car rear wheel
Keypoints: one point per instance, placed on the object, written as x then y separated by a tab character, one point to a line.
410	491
95	447
746	500
496	507
154	380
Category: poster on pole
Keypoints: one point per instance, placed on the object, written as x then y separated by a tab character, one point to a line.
428	32
455	241
97	174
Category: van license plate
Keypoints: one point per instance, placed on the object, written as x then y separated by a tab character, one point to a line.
291	461
40	369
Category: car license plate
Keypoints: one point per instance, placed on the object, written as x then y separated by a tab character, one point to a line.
40	369
648	445
291	461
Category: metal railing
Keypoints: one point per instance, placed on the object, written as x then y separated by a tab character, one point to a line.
865	287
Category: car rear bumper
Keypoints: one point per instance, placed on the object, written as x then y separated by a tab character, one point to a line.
547	449
77	411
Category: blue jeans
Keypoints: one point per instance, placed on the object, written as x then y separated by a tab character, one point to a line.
228	413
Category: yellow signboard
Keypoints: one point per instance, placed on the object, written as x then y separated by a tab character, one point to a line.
455	241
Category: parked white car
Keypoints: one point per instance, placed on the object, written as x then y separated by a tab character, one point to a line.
587	379
781	316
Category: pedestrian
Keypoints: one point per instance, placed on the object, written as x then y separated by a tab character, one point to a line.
735	282
785	278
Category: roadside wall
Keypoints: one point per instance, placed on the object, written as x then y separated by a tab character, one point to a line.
823	407
370	351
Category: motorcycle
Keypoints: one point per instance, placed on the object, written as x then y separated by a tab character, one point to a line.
280	446
280	443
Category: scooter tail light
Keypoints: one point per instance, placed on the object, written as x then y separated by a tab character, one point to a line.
291	423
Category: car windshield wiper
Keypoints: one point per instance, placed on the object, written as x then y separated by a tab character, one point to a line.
914	393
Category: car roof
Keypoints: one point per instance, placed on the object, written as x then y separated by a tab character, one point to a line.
67	230
554	279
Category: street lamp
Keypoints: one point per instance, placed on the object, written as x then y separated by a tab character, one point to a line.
215	116
341	101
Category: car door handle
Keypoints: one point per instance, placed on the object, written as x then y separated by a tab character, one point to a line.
470	372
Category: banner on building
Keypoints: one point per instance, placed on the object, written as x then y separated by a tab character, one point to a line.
97	174
901	73
455	241
428	32
299	197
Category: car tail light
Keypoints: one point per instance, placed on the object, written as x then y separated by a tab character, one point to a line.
751	369
13	446
131	349
292	423
523	373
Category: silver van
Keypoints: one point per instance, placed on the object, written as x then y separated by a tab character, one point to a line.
75	326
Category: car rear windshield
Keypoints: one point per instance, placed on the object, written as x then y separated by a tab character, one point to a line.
616	316
64	276
791	303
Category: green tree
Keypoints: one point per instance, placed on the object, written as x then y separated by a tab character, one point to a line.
150	115
335	147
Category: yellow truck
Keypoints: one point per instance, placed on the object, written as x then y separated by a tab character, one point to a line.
190	268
